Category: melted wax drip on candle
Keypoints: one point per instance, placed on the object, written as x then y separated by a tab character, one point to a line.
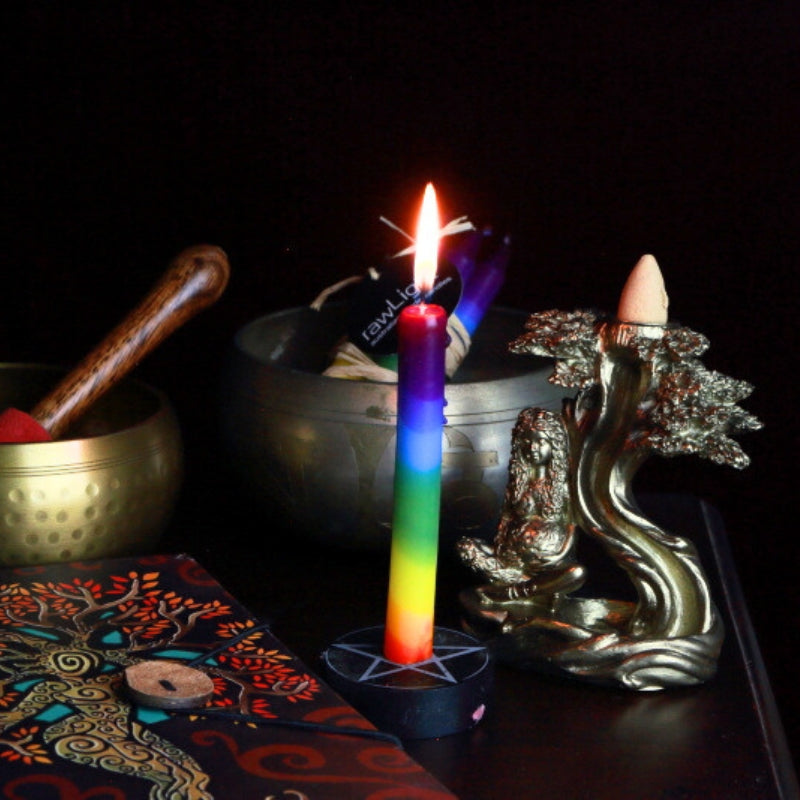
644	297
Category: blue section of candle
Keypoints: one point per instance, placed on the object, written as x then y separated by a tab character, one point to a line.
418	449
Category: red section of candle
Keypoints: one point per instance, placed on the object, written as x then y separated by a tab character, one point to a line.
423	337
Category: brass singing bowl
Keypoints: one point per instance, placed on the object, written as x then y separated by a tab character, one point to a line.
106	488
317	453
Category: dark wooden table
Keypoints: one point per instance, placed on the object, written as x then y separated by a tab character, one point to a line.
543	737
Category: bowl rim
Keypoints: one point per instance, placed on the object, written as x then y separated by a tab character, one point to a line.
164	411
538	363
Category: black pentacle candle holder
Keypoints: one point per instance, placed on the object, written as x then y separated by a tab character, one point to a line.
445	694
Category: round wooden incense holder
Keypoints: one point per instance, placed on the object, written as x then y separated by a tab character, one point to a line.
445	694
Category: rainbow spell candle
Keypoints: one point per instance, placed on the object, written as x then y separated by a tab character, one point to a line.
422	340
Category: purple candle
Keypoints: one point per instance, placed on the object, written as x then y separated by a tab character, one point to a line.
464	253
481	287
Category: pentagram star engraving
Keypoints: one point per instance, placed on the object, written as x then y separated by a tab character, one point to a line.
441	695
369	655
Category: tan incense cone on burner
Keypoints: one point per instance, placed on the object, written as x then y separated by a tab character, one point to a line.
644	298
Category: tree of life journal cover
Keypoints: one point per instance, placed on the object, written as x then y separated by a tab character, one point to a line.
272	729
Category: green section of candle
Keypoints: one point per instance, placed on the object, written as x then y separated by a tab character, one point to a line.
416	510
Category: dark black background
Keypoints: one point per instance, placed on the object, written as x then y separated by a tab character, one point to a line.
590	132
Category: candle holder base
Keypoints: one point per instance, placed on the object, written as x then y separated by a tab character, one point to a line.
445	694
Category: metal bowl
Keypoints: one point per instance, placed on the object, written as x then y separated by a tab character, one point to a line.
319	451
106	488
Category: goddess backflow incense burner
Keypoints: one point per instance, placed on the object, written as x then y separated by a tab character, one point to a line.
641	389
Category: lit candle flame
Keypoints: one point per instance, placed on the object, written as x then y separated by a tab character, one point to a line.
427	252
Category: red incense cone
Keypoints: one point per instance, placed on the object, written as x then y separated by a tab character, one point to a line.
194	280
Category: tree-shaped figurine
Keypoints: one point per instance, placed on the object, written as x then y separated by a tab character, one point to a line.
641	389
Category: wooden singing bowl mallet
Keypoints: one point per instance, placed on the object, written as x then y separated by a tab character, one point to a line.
194	280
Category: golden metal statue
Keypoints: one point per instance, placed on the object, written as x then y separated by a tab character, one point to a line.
641	390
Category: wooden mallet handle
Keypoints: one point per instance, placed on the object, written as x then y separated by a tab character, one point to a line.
193	281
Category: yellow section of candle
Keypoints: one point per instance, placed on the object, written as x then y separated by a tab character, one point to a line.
412	582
